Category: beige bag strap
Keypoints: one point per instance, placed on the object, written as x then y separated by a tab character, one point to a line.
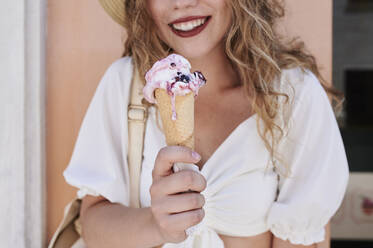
137	116
69	231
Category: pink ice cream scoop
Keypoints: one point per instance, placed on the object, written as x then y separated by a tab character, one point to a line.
172	74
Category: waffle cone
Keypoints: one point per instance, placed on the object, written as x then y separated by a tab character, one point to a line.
180	131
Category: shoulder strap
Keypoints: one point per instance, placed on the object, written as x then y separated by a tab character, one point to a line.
69	231
137	116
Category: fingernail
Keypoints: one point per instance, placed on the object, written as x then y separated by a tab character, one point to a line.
196	156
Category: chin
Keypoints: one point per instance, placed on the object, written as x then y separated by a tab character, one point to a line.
194	52
190	55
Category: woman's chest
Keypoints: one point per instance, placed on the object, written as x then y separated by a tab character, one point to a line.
238	179
215	121
236	161
239	189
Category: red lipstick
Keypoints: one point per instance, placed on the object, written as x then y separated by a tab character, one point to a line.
194	31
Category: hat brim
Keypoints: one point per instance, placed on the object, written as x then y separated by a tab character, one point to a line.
115	9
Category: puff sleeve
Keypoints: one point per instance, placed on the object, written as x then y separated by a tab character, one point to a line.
314	151
98	165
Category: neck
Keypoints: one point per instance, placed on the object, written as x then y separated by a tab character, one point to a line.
217	70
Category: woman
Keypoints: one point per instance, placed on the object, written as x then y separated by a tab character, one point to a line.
267	141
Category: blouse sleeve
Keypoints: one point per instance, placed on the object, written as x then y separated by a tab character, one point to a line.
98	165
314	151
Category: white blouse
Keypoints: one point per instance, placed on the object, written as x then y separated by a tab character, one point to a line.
241	193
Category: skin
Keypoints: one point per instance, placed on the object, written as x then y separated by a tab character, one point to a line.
111	225
172	210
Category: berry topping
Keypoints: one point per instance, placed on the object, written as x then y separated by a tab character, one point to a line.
185	79
199	75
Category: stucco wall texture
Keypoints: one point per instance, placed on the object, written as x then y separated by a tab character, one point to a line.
83	41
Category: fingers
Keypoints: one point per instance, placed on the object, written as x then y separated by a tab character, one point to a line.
173	226
182	202
184	220
179	182
175	212
169	155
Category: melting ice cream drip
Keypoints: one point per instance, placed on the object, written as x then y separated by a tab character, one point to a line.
172	74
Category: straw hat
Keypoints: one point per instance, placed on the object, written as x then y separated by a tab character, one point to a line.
115	8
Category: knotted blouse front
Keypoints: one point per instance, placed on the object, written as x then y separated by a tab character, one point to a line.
245	194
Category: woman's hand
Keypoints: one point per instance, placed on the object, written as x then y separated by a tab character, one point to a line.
174	209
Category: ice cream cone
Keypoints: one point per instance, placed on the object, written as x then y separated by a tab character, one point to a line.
172	86
181	130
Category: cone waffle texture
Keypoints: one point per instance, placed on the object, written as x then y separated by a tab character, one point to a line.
179	131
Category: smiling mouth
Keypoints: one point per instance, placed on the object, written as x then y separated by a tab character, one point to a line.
189	26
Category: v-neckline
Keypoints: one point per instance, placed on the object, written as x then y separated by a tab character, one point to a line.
221	146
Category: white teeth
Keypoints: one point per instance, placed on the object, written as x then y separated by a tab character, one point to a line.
187	26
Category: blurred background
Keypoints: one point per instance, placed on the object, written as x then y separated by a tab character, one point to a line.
52	56
353	74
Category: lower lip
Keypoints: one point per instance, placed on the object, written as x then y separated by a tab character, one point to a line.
193	32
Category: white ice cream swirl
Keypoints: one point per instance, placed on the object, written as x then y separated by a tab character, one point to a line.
172	74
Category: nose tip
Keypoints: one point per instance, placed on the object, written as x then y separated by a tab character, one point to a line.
180	4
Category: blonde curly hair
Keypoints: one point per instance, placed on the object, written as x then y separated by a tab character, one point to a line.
256	51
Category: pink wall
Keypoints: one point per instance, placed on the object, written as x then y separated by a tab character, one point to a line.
312	21
83	41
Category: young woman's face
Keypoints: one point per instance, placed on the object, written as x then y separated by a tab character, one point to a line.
192	28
